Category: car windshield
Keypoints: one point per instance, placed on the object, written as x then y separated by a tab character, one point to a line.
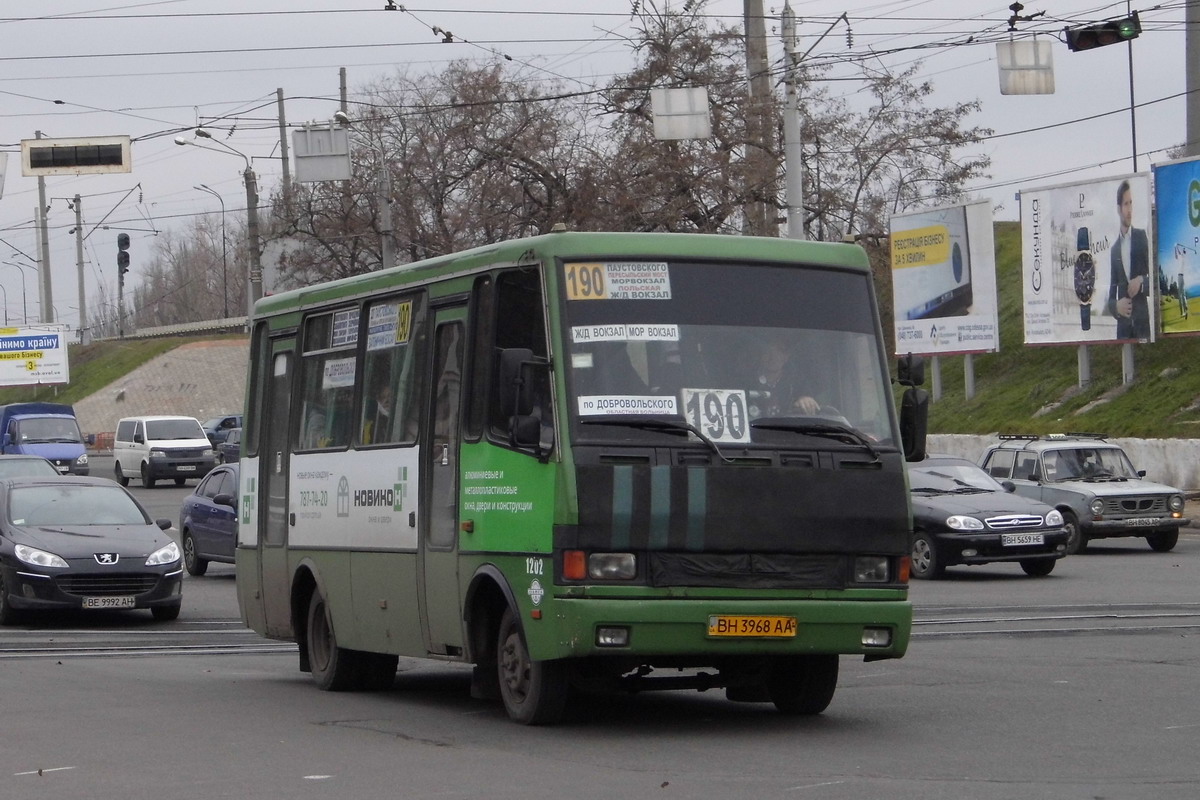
731	353
160	429
73	504
26	467
1088	463
951	477
48	429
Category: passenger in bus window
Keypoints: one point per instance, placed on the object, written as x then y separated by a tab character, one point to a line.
314	428
377	427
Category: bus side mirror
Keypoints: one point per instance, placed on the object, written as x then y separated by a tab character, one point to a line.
910	370
515	397
914	422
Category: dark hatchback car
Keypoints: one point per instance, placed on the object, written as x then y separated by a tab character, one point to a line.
962	515
217	428
208	521
71	543
230	448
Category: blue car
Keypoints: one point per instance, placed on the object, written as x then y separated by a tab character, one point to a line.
208	520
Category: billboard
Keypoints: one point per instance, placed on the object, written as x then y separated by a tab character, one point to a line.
33	354
1086	262
1177	233
944	280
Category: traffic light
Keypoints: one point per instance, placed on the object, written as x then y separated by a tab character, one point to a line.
122	253
1099	34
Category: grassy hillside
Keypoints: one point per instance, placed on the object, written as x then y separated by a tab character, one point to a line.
98	364
1035	389
1017	390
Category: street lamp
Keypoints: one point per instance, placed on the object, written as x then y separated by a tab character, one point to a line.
224	258
21	269
5	291
254	267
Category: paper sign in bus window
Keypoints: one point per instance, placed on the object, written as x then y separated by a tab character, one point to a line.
595	405
618	280
631	332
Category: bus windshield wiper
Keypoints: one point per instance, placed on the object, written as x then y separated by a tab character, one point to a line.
672	424
828	430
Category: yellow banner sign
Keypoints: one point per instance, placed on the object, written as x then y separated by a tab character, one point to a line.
920	247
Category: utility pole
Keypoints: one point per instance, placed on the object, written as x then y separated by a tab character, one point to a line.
760	163
283	146
255	287
1192	66
793	131
83	327
47	299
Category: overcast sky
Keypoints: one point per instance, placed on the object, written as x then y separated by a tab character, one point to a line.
153	69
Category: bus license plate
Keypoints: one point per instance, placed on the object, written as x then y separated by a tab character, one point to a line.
108	602
1007	539
748	625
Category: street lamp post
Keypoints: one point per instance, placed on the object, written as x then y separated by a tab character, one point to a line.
5	291
387	256
224	254
21	269
254	267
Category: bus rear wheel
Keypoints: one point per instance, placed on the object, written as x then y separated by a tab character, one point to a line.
333	668
534	692
803	685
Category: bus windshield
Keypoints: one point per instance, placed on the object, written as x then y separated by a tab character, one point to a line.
778	350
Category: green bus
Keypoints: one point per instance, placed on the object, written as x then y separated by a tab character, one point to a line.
582	462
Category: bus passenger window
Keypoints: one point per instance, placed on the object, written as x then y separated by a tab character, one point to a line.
328	369
388	414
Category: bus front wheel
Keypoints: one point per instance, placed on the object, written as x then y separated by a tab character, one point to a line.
332	667
803	684
534	692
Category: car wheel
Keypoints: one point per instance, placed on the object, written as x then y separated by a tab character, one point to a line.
1163	541
194	563
120	476
335	669
925	561
166	613
803	685
147	481
534	692
1075	541
1038	567
8	614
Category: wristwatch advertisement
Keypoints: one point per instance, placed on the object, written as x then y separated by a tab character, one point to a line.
1085	276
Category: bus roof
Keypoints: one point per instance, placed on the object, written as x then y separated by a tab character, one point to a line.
573	245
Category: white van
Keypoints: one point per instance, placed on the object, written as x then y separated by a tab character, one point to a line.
161	447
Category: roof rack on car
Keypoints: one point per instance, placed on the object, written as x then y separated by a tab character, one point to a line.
1030	436
1081	435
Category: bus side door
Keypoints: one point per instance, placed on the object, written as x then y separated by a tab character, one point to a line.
273	520
438	573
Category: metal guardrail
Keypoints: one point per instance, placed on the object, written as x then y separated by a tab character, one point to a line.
205	326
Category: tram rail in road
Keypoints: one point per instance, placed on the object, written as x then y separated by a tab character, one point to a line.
213	637
990	621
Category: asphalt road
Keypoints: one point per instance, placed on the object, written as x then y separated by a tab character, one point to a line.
1077	685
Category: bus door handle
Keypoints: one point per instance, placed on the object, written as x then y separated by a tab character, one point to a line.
446	455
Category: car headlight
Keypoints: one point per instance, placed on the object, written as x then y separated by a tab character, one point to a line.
961	522
1096	506
1054	518
163	555
39	558
83	459
1176	502
207	453
158	454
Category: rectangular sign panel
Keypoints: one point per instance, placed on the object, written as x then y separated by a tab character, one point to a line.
34	355
1177	233
944	280
88	155
1087	262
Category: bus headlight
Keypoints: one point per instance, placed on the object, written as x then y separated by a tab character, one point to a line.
612	566
871	569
